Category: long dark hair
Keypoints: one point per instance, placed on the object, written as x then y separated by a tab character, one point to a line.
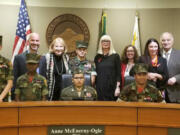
124	57
146	50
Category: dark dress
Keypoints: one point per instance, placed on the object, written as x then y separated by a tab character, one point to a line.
59	69
161	69
108	73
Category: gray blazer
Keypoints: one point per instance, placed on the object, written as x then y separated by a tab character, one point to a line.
173	92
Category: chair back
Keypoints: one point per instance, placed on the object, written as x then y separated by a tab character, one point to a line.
128	80
67	80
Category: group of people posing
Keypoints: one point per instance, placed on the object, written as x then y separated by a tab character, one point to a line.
152	77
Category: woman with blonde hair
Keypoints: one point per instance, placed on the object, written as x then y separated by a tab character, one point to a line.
108	70
53	65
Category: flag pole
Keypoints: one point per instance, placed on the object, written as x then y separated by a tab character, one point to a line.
137	14
102	26
136	35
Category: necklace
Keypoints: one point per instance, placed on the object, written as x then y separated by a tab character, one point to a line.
58	72
154	61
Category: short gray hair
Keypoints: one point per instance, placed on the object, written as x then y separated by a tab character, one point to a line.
169	33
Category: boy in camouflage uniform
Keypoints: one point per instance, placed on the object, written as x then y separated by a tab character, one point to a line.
80	61
78	91
31	86
6	77
140	90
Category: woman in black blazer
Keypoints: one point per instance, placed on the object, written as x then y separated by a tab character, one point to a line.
158	72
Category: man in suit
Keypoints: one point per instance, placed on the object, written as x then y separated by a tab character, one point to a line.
172	56
19	64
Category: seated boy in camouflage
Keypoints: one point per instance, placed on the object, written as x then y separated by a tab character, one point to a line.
31	86
78	91
140	90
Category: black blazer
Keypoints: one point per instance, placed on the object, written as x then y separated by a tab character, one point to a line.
160	69
19	68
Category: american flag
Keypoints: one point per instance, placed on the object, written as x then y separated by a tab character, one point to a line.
22	31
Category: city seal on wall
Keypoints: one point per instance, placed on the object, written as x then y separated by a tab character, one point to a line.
71	28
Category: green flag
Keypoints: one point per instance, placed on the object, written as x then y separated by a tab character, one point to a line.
102	27
103	23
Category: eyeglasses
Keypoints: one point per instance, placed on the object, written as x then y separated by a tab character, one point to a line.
105	41
79	78
130	51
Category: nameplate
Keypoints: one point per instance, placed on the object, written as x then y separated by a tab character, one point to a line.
173	131
75	130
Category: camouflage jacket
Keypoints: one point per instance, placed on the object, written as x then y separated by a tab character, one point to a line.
31	91
70	93
6	72
149	94
87	66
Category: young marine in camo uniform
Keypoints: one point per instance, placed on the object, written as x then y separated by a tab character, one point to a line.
6	77
78	91
31	86
80	61
140	90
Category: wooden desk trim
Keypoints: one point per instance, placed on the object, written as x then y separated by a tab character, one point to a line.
137	105
90	103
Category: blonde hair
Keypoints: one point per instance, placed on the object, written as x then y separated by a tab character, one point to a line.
106	37
59	40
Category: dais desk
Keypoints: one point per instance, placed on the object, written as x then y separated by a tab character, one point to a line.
125	118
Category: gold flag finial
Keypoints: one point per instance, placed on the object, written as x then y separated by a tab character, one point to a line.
137	14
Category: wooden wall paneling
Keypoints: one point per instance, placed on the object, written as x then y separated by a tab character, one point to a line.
152	131
159	117
27	118
8	117
120	130
9	131
33	130
77	115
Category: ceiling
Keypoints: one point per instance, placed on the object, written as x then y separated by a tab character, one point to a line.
98	3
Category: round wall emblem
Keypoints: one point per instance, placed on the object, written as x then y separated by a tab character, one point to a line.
71	28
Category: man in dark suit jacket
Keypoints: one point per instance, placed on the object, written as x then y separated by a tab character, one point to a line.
19	64
173	63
